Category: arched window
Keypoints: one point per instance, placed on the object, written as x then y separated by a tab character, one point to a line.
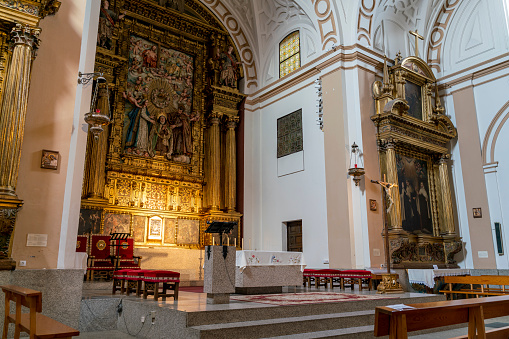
289	54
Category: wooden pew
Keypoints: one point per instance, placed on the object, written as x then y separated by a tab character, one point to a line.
38	326
397	322
486	283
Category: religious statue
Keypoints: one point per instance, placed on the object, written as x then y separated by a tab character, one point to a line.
107	21
182	133
161	138
228	67
150	57
138	101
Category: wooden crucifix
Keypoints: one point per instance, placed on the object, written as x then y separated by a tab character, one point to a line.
417	37
388	189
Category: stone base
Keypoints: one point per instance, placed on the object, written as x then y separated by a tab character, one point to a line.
259	290
7	264
218	298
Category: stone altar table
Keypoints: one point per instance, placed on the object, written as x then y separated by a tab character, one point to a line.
259	272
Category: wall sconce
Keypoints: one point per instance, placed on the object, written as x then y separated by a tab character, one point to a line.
96	119
356	165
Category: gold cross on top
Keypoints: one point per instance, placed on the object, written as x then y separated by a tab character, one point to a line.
417	37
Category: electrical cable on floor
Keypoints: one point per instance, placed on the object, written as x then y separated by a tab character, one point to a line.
142	326
95	317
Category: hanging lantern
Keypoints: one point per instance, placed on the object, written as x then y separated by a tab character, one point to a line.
356	165
96	118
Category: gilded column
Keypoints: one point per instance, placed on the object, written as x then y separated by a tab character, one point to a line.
392	177
231	164
446	195
215	161
14	106
96	156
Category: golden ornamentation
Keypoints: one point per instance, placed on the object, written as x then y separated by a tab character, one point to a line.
101	245
389	284
409	127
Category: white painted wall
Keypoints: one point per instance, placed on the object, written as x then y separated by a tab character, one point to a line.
297	194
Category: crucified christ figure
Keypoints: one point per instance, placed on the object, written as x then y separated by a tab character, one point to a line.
388	190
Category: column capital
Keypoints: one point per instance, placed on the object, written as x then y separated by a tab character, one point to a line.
443	158
26	35
214	118
232	121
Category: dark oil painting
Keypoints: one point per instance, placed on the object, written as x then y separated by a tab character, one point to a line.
414	97
414	195
90	221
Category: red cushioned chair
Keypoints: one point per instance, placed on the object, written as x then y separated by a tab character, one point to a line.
133	281
119	277
100	263
325	276
82	243
167	280
124	254
352	277
308	277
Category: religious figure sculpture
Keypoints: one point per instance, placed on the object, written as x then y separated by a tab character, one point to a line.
229	68
107	20
138	101
150	57
182	133
161	138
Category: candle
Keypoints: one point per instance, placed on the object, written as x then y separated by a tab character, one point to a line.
242	244
227	241
235	242
355	165
213	240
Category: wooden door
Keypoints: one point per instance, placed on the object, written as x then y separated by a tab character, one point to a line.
294	236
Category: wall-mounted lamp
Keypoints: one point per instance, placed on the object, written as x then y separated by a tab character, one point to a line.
356	165
96	118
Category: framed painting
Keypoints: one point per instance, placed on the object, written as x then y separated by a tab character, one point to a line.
155	228
414	193
49	159
413	96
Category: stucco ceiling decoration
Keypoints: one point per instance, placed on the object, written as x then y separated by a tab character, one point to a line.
438	34
409	9
275	14
326	22
238	35
365	20
492	133
244	12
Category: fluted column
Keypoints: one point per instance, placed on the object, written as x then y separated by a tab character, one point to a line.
445	188
96	155
215	161
14	106
392	177
231	165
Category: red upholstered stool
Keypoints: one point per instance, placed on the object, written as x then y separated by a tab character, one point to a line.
326	276
167	280
119	280
352	277
133	281
308	277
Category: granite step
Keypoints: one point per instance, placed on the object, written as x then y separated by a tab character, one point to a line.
285	326
358	332
198	318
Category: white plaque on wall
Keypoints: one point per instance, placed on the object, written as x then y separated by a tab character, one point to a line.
37	240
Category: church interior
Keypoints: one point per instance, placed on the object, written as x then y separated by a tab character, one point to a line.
320	135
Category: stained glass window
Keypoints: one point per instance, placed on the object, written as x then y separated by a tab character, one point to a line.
289	54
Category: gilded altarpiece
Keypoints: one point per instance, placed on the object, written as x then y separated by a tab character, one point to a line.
167	163
413	136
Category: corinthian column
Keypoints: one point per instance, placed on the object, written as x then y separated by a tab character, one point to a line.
392	177
231	164
215	162
14	106
446	195
96	156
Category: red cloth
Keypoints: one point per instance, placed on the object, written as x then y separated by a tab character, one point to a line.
100	246
81	243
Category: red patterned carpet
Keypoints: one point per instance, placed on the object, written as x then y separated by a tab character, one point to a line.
305	298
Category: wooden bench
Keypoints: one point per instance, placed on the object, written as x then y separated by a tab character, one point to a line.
34	323
486	283
396	322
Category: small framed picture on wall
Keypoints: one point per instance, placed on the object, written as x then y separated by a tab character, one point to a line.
372	204
477	212
49	159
